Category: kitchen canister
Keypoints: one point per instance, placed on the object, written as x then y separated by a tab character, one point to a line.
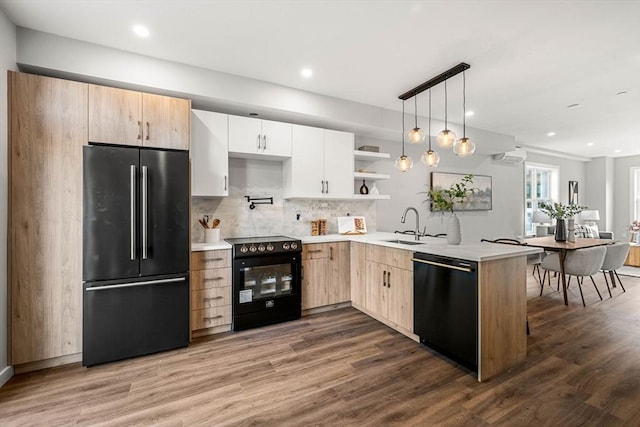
211	235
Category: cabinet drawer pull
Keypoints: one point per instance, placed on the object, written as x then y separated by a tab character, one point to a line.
211	298
212	259
211	279
313	251
207	319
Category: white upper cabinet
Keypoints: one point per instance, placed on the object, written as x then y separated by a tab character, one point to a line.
321	165
259	139
209	156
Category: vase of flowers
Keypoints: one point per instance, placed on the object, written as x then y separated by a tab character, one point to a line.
561	213
446	199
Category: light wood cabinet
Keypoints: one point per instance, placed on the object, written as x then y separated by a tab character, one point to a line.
389	285
120	116
209	155
210	291
47	129
325	278
358	274
321	164
259	139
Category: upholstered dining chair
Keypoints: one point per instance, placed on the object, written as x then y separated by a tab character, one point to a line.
580	263
613	260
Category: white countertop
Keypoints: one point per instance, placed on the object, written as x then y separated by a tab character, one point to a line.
472	251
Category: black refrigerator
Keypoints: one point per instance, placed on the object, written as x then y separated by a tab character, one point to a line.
135	252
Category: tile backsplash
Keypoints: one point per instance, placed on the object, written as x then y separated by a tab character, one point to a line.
258	178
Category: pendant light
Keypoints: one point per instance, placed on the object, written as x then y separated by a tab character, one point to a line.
446	138
415	135
403	163
430	158
464	147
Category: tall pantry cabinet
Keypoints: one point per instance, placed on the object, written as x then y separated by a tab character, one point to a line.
47	129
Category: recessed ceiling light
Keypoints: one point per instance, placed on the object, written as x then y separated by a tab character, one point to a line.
574	106
306	73
617	151
590	144
469	113
551	134
624	92
141	31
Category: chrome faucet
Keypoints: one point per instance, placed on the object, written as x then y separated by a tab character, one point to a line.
404	217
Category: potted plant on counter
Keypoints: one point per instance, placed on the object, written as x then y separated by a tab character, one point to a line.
446	199
562	214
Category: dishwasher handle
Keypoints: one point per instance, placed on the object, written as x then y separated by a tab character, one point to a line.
460	267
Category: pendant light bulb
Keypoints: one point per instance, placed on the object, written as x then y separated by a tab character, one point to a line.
446	138
403	163
415	135
464	147
431	159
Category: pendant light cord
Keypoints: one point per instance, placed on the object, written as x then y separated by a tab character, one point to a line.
464	106
402	128
415	106
445	105
429	135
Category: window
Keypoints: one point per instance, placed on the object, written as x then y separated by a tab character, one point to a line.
635	194
540	185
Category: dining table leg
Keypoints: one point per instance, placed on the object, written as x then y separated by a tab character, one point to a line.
562	256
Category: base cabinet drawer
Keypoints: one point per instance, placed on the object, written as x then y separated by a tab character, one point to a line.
210	317
212	297
212	278
201	260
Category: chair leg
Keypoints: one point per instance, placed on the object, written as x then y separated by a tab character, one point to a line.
619	281
613	282
581	295
537	268
594	285
604	273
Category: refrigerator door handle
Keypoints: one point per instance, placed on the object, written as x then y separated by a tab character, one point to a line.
133	212
144	212
134	284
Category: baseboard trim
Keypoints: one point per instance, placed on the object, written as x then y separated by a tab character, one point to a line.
324	308
48	363
6	375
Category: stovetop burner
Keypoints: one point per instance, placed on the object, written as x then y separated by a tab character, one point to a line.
264	246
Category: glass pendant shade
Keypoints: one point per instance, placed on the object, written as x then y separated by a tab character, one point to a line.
415	136
403	163
431	159
446	138
464	147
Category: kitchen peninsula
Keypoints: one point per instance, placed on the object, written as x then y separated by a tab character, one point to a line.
381	285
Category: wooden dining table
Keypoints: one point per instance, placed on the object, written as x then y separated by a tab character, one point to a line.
549	243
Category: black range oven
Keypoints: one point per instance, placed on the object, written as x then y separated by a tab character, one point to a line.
266	281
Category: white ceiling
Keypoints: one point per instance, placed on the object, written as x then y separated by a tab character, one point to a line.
529	59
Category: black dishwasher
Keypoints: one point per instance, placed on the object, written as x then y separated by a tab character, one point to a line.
445	309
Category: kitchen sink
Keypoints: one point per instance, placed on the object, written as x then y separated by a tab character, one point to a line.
404	242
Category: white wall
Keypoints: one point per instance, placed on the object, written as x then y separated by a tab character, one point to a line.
7	62
506	219
599	177
621	195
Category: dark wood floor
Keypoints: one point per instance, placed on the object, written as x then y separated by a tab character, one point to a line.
344	368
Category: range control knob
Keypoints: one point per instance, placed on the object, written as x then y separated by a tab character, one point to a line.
252	248
294	246
285	246
270	247
261	248
243	249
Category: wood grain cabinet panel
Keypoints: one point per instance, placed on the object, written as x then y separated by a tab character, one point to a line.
325	274
119	116
210	291
358	274
47	130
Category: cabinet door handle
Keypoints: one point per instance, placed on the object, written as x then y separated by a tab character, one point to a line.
322	182
327	192
258	142
388	279
139	129
384	278
225	183
264	142
148	131
331	253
